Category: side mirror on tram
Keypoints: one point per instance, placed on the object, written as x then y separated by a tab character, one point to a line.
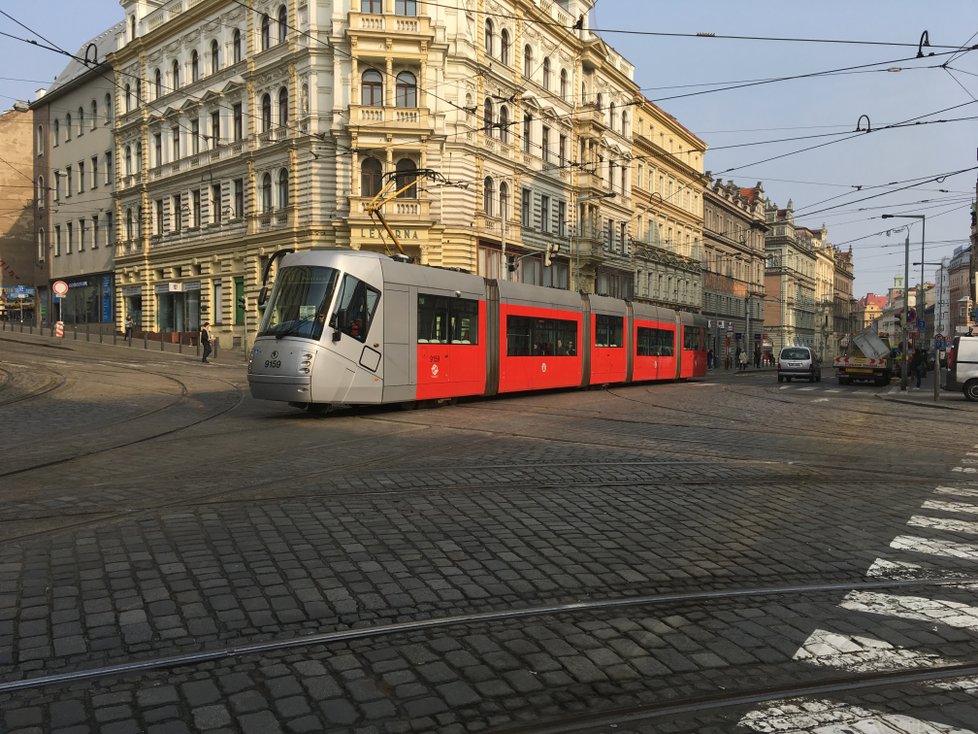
262	296
338	323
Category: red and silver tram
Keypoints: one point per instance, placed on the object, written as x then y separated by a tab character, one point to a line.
347	327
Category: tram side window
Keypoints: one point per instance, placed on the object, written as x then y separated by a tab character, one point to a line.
654	342
355	308
531	337
693	338
608	331
443	320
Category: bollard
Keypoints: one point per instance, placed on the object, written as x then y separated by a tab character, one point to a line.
161	341
180	342
145	340
87	332
215	342
75	329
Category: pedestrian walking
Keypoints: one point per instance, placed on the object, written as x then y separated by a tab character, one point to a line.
757	357
918	365
709	360
205	341
129	327
743	359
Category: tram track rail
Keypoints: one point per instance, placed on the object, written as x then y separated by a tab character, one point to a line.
29	392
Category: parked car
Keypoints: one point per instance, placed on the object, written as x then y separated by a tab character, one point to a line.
799	362
962	366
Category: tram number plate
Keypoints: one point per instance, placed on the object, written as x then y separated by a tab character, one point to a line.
273	363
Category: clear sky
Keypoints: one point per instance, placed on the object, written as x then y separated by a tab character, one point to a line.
689	77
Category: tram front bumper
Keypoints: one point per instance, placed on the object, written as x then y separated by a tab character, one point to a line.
284	389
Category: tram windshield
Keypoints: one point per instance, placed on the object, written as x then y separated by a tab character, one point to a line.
299	302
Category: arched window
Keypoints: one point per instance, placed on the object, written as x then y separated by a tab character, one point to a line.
624	123
236	46
266	193
527	61
158	83
546	73
504	46
108	109
174	75
128	160
81	120
406	90
563	84
194	66
132	27
40	191
41	245
283	189
487	117
504	123
215	58
94	114
283	23
371	89
128	98
488	194
370	177
489	37
266	32
407	172
266	112
283	107
611	115
57	132
128	224
68	127
40	140
503	199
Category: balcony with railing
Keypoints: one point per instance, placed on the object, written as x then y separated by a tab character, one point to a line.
403	119
389	25
397	211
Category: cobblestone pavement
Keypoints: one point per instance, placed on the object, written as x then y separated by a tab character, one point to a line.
727	555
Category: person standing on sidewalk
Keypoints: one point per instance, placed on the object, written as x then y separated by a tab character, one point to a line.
205	341
918	365
129	327
743	359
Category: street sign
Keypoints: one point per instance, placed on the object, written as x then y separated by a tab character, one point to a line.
60	288
921	325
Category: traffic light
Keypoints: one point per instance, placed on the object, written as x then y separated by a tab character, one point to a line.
552	249
241	302
511	263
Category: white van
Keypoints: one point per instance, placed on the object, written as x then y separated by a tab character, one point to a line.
962	366
801	362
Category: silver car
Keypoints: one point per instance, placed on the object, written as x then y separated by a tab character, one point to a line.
801	362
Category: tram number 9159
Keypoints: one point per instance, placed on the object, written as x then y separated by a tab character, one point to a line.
273	363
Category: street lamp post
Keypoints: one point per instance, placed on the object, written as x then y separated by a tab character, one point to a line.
576	245
938	328
906	289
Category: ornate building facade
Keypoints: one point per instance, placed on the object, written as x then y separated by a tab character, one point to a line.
789	278
733	267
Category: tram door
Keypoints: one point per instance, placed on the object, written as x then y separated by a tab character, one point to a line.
352	321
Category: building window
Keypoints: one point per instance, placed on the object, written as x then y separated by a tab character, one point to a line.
94	114
158	148
266	113
283	107
236	46
503	200
195	209
372	7
215	128
545	214
562	151
158	84
69	245
266	32
129	229
488	195
176	143
527	61
563	84
487	117
194	66
108	109
128	160
283	23
94	171
370	177
57	132
525	202
81	235
81	121
41	247
238	209
215	204
406	7
505	46
57	240
545	143
176	206
562	218
215	58
67	182
266	193
407	172
546	73
489	38
371	89
194	136
504	123
40	192
159	215
283	189
527	127
236	122
81	177
406	90
67	127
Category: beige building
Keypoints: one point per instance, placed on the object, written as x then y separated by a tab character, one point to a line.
17	251
789	279
833	295
240	131
667	198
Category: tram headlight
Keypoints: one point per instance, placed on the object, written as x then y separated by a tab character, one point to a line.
305	363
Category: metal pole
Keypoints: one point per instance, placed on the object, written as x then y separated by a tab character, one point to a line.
502	237
906	313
